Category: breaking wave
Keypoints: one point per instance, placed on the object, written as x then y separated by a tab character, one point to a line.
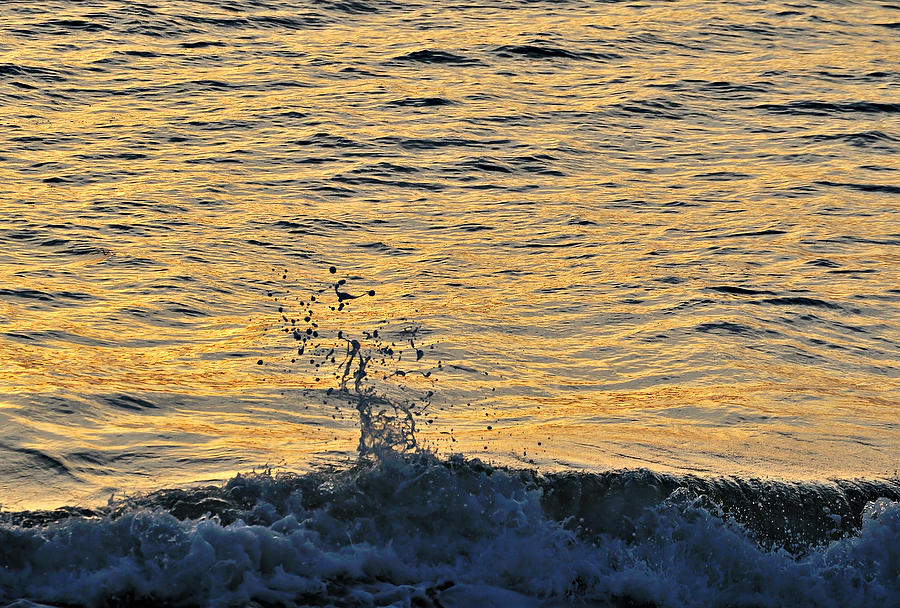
413	530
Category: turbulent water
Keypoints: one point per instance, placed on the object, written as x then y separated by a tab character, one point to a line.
641	258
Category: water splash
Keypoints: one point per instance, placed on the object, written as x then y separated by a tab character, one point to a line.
385	425
363	377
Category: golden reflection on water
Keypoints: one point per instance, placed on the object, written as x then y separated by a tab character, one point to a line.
581	298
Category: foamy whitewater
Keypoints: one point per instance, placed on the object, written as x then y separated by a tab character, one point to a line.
415	531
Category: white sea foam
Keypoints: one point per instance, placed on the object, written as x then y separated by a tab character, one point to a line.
419	532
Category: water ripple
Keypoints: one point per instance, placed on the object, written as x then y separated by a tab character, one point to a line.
615	210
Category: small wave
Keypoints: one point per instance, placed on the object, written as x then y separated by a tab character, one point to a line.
858	139
129	402
385	248
716	86
723	176
534	51
27	294
327	140
228	22
853	271
654	108
46	74
823	108
825	263
438	57
420	102
41	460
385	169
640	42
726	327
470	227
137	53
311	226
57	298
765	232
388	183
863	187
737	290
802	301
202	44
351	7
288	23
425	143
485	164
64	26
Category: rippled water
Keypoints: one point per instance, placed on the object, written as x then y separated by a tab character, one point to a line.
658	234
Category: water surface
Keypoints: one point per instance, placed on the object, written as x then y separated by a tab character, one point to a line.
627	234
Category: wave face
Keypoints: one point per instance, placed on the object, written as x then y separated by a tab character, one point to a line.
416	531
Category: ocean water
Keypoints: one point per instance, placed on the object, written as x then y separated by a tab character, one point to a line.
449	304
